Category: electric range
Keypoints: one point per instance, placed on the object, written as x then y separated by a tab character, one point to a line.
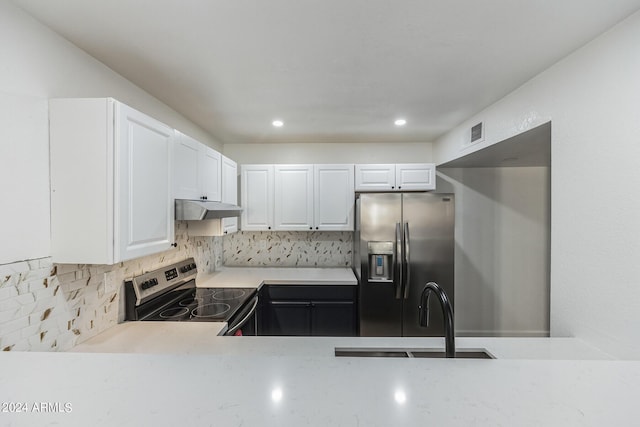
170	294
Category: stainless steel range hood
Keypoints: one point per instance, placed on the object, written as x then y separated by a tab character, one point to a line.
196	210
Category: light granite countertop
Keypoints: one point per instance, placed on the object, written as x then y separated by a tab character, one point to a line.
164	373
203	338
269	381
254	277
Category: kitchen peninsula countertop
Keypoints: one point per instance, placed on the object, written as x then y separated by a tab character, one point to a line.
163	373
254	277
202	338
258	381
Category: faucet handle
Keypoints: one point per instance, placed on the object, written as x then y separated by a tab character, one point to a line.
424	308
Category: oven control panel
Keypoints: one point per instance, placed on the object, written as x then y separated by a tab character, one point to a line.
147	285
171	274
187	268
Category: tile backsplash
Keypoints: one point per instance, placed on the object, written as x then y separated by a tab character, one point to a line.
46	306
288	249
52	307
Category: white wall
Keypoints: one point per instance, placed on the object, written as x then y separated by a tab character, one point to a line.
502	250
330	153
592	98
36	65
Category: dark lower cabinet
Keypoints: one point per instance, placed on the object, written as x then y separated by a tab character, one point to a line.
287	318
305	310
333	318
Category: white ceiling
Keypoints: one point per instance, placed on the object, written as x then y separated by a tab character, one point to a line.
332	70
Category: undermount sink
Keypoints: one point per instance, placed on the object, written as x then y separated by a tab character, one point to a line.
418	353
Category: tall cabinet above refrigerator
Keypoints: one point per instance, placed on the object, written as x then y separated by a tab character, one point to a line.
402	242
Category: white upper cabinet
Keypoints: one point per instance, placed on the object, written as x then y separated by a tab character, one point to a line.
197	170
229	192
211	174
396	177
187	177
257	194
416	176
111	182
334	197
293	197
375	177
297	197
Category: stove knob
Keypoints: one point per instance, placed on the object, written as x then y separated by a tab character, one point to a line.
144	285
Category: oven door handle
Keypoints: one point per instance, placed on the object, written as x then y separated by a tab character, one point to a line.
240	324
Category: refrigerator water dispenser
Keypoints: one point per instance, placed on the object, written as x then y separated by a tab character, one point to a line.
380	261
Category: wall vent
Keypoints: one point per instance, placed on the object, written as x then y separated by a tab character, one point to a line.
477	133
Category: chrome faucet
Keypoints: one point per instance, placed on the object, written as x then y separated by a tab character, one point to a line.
447	311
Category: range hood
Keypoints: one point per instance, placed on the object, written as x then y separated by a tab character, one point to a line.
196	210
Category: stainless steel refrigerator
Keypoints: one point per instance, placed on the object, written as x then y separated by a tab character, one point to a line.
402	241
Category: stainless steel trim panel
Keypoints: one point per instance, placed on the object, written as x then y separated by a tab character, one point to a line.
154	283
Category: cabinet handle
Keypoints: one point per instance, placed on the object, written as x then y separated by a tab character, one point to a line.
399	188
316	228
310	228
268	228
392	187
175	245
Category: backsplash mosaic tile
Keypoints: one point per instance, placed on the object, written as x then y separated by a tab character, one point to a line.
288	249
52	307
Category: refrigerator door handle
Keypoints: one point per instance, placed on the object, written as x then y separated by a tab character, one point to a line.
407	261
399	255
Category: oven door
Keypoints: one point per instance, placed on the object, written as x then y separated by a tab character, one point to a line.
245	321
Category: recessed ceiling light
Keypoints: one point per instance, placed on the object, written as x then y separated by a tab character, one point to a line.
400	122
277	123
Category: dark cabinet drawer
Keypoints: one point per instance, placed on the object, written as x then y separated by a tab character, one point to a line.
310	292
308	310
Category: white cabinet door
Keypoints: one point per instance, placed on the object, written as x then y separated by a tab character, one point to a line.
375	177
144	186
293	197
229	192
187	175
416	176
196	170
334	197
257	197
400	177
111	182
211	174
